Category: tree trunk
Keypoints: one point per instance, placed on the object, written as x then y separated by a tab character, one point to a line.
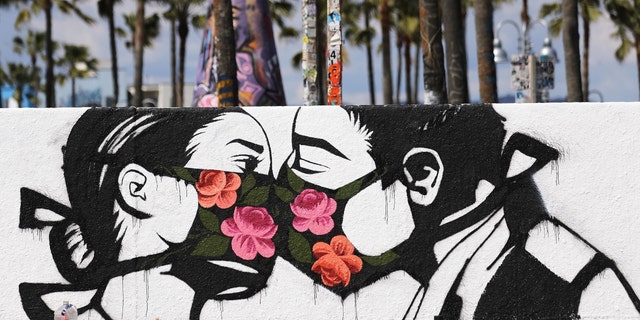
321	45
585	54
399	68
309	56
435	87
138	52
372	87
174	91
73	91
50	85
34	77
183	32
334	36
407	69
415	74
114	54
456	51
571	42
637	46
524	14
227	85
385	25
484	39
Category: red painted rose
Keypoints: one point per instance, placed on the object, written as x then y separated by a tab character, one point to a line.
251	229
217	188
336	262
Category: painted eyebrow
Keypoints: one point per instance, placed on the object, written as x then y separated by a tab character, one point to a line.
253	146
299	139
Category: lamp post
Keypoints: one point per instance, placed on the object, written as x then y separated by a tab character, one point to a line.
531	76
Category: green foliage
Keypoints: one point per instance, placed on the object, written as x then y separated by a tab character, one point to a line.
382	259
151	29
626	15
209	220
78	60
299	247
257	197
212	246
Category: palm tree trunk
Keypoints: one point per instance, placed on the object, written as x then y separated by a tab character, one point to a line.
372	87
435	87
484	39
114	53
73	91
585	55
34	77
227	85
321	45
174	91
407	69
50	85
385	25
138	53
309	56
399	68
183	32
571	42
524	14
415	74
456	51
636	38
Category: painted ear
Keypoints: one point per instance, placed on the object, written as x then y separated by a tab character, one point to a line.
135	183
423	171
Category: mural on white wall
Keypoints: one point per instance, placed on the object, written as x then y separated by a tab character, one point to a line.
455	212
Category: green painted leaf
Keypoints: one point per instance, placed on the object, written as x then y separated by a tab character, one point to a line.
212	246
284	194
257	197
294	181
299	247
209	220
184	174
349	190
276	212
382	259
247	184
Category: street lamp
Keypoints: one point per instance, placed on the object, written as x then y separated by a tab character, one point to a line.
531	76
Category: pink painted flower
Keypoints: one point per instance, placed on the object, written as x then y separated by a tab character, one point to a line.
313	210
251	229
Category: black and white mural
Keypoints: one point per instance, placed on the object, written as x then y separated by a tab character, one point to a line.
359	212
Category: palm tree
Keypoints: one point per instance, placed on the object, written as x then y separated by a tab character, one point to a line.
183	10
227	86
18	76
626	15
435	88
571	42
150	31
105	10
484	52
24	16
361	36
139	37
589	12
79	64
456	51
170	15
385	28
33	45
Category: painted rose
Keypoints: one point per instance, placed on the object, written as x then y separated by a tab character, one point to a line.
209	100
336	261
251	229
217	188
313	210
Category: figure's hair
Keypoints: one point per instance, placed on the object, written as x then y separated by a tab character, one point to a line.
100	145
468	139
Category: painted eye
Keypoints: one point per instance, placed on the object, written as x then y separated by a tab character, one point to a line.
246	162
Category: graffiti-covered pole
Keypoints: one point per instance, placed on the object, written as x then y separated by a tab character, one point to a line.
334	54
224	38
309	56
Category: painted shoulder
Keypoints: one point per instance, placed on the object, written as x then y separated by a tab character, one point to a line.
559	249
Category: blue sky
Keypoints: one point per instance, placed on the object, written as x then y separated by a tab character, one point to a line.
616	81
